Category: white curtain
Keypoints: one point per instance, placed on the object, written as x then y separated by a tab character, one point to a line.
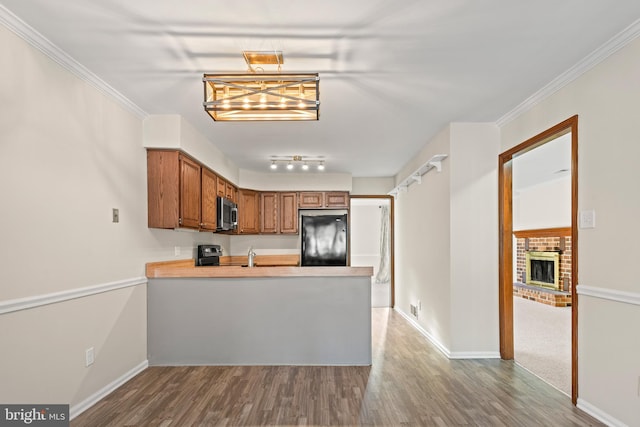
384	272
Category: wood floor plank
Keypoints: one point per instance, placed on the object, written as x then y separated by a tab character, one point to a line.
410	383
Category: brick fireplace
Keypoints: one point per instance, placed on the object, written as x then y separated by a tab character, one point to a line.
543	266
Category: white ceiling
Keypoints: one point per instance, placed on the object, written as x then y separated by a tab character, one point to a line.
393	73
548	162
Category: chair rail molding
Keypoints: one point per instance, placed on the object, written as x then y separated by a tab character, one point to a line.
609	294
18	304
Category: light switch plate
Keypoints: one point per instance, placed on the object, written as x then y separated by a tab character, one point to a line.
115	213
587	219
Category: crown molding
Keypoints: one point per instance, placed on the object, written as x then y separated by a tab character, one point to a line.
44	45
603	52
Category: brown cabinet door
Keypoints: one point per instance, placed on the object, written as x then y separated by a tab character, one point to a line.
269	213
163	188
248	212
189	193
222	187
289	213
311	199
208	214
230	192
336	199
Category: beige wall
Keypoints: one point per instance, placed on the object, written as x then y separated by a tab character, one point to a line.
422	244
173	131
372	186
279	181
474	239
606	100
447	241
68	155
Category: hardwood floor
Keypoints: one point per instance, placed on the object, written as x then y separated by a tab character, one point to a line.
410	383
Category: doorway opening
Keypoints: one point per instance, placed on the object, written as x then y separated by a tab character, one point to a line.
371	243
551	286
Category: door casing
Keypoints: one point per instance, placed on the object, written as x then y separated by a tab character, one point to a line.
505	211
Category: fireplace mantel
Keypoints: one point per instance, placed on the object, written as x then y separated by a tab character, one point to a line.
543	232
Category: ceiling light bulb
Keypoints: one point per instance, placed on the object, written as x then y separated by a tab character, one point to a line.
321	166
274	165
305	166
289	165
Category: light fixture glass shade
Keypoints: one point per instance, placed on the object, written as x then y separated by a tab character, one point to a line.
262	97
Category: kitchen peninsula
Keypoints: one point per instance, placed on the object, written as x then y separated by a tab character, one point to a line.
264	315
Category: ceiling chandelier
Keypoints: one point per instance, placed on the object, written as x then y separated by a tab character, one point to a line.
259	96
302	162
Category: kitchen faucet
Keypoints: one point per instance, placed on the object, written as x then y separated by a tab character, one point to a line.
250	256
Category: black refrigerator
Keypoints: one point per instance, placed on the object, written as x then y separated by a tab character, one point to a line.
324	240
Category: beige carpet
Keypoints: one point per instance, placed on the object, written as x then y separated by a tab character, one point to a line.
542	341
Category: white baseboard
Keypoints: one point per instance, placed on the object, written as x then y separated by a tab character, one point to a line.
443	348
79	408
600	415
474	355
424	332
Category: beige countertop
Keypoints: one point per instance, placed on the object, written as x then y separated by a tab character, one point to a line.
266	266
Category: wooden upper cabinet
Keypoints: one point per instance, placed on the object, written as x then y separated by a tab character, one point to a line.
221	187
311	199
173	190
269	213
323	199
163	188
248	212
189	193
336	199
230	192
208	214
288	213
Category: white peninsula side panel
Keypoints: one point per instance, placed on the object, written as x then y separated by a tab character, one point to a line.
259	321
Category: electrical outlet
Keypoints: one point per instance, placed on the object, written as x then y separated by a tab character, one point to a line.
414	310
638	386
176	250
419	305
115	212
89	356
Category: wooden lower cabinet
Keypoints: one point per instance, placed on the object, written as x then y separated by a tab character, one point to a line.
248	212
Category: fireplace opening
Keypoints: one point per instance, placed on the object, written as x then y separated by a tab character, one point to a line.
542	269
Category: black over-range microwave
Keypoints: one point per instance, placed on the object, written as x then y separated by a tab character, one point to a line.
227	214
